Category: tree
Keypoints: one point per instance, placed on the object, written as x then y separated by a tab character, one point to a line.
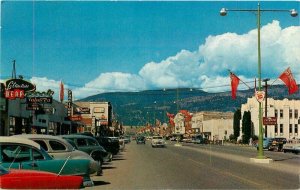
236	123
246	127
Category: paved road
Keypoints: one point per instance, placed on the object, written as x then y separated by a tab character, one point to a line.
197	167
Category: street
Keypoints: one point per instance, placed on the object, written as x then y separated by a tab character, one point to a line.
197	167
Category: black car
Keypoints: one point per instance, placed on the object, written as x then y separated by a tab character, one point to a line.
110	144
140	140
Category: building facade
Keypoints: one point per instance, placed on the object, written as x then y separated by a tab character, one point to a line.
213	125
97	117
285	111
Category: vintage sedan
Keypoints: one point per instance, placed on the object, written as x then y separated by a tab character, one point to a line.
158	141
21	153
89	145
292	146
31	179
59	148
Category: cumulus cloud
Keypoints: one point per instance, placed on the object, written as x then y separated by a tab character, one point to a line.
43	84
207	67
111	82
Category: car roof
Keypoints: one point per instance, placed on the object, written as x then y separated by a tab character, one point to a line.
46	137
18	140
77	136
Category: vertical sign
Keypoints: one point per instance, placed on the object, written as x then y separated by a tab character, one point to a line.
69	103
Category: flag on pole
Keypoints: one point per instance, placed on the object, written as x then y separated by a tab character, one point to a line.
234	84
61	92
288	79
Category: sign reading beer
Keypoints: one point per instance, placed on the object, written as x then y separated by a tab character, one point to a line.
16	88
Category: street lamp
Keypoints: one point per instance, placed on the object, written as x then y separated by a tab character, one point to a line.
293	13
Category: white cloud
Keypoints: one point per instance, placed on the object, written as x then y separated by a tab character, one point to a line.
111	82
207	67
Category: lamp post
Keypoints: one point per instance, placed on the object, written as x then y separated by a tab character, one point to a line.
293	13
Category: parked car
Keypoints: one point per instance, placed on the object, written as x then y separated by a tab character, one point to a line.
91	146
292	146
126	139
267	142
30	179
277	143
199	139
109	144
158	141
60	148
21	153
140	140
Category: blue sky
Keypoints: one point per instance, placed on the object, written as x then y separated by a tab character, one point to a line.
98	46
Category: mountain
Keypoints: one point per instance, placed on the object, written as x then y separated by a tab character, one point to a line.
137	108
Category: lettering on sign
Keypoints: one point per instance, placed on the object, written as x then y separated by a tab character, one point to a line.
14	84
269	121
13	94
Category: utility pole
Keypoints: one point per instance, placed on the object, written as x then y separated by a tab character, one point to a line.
13	74
266	104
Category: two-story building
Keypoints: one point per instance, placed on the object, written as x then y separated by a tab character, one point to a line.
285	111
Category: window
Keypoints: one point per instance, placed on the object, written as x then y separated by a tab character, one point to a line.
281	113
296	114
92	142
296	128
291	113
81	142
276	128
291	128
281	128
16	153
37	155
276	113
55	145
42	143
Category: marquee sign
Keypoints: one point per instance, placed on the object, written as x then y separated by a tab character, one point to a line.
16	88
34	100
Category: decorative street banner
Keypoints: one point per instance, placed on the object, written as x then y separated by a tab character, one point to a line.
16	88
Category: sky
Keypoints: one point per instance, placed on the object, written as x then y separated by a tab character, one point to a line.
106	46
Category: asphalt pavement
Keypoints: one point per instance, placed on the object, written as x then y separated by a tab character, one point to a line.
197	167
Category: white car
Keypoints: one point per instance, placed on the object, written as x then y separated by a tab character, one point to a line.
59	148
292	146
158	141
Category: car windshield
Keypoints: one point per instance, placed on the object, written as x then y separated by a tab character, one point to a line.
157	138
